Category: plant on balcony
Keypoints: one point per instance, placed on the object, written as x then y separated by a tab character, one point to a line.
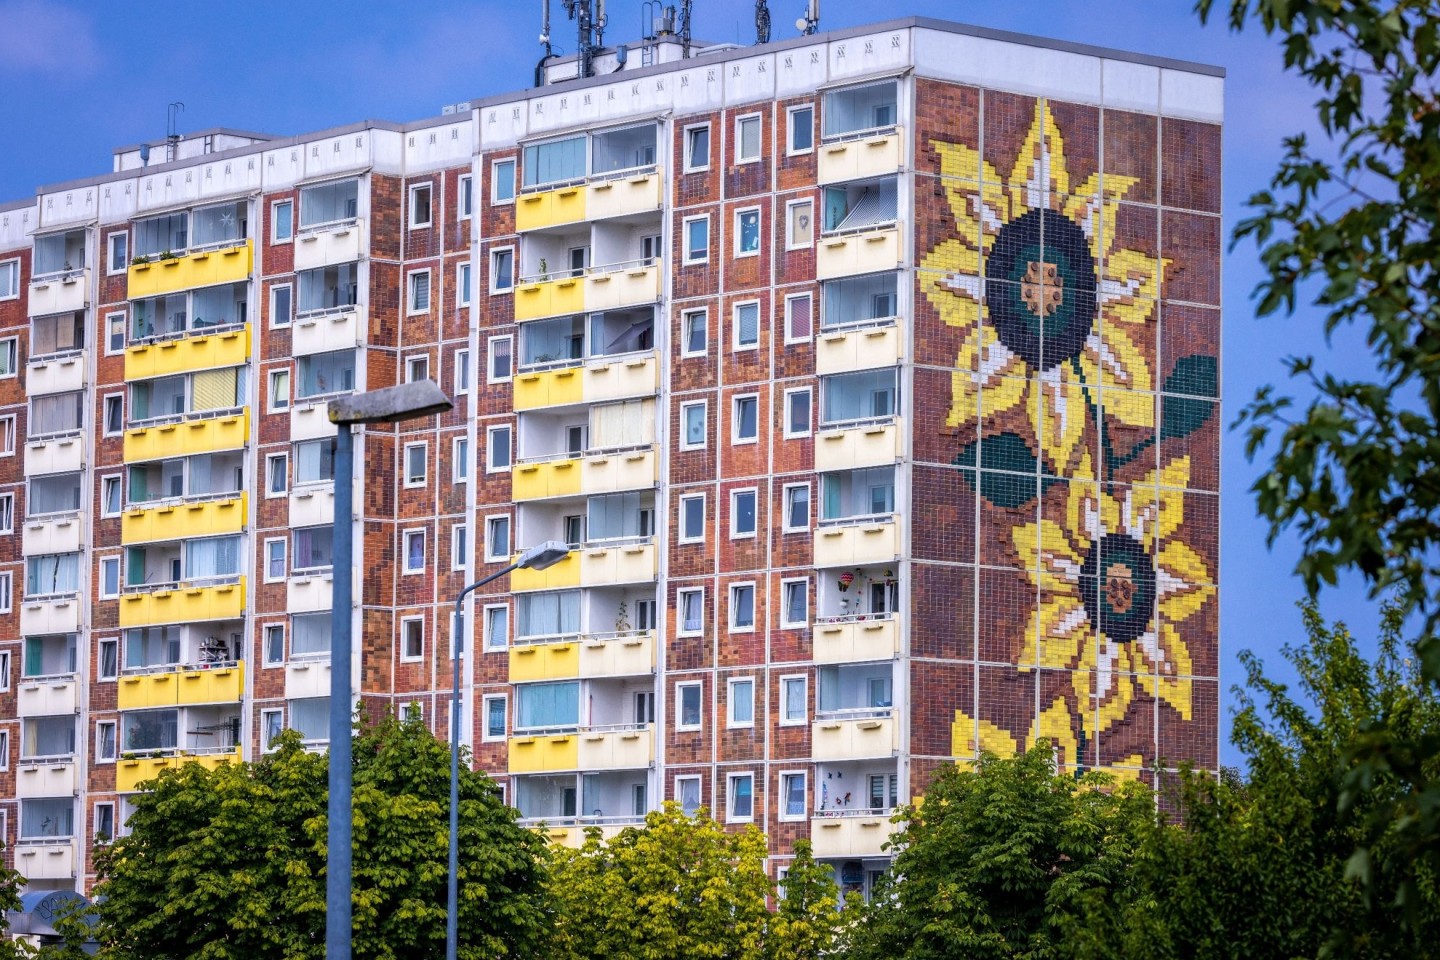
138	259
169	255
544	270
622	619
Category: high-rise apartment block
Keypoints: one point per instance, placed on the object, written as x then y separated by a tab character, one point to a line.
871	377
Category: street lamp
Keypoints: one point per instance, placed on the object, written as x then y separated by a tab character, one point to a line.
539	557
408	401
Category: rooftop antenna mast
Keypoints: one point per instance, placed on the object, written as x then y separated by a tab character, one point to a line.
762	22
589	26
683	27
544	42
809	23
172	133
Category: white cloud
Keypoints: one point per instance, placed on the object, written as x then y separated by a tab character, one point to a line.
42	36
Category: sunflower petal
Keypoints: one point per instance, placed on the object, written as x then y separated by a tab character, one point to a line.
969	736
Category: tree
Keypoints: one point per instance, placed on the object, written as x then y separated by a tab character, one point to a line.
230	863
808	923
680	887
995	857
1357	472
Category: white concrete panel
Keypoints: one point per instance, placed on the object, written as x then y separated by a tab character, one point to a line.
56	455
231	178
387	150
749	80
1131	86
15	227
282	168
798	72
1192	96
436	147
56	375
117	200
336	155
310	421
1001	65
52	535
67	207
868	55
172	188
305	679
698	90
41	617
312	504
501	125
310	594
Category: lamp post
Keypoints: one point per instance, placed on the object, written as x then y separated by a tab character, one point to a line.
539	557
408	401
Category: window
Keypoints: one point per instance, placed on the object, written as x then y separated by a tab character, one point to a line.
466	187
741	702
697	148
109	578
329	202
325	374
275	560
497	453
9	279
119	260
494	707
740	797
462	284
497	538
502	359
113	414
693	332
282	221
692	518
800	130
795	603
9	357
794	697
502	270
110	496
417	368
792	796
413	547
747	138
114	333
314	548
105	741
419	284
279	390
412	638
799	318
459	546
747	325
742	606
460	460
281	305
690	603
799	224
315	461
797	506
697	239
272	722
687	706
692	425
420	205
747	233
274	644
502	181
7	436
107	659
497	627
742	513
5	670
744	420
7	513
417	457
687	794
277	470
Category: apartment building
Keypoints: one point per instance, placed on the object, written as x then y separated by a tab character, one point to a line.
872	378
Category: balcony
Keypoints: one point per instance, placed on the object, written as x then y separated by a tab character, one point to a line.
226	261
860	734
37	777
201	516
542	297
605	563
52	534
571	831
868	250
57	354
587	656
132	770
56	453
48	696
621	377
177	353
190	601
622	193
327	331
330	244
65	291
598	472
851	833
855	638
203	431
312	504
846	349
51	613
857	444
612	286
169	686
307	677
46	858
310	591
618	747
856	541
856	156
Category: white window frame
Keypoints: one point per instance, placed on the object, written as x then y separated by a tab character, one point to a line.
275	206
102	839
417	363
111	318
735	533
759	122
790	149
405	655
104	594
790	241
730	684
688	317
679	791
704	406
117	399
754	606
410	709
730	815
463	275
5	264
680	686
804	814
485	700
680	594
289	314
406	479
5	664
460	459
739	253
459	546
736	440
463	374
490	360
417	188
495	253
405	537
100	659
688	160
105	482
100	757
411	288
488	639
804	718
7	436
495	199
464	186
681	535
490	446
110	241
265	632
785	506
490	523
11	345
804	584
735	344
790	300
276	378
274	712
270	460
686	258
809	394
7	513
269	544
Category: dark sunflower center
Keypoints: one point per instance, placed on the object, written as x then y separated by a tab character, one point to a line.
1040	288
1117	585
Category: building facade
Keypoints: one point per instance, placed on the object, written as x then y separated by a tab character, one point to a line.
872	377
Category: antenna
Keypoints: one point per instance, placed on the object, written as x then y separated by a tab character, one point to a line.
580	12
809	23
684	27
762	22
172	135
601	20
545	42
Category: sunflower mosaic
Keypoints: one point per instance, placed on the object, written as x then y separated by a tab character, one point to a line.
1054	378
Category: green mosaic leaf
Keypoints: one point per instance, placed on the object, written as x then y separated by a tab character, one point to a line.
1009	453
1195	379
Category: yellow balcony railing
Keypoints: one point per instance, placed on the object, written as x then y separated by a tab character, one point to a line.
624	747
557	659
562	575
224	430
183	604
204	268
183	686
620	377
199	351
547	478
173	521
544	753
549	298
550	208
131	772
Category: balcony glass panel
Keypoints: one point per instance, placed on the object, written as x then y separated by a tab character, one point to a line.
546	798
552	341
856	688
56	414
322	374
859	299
313	548
618	515
547	614
554	162
311	718
326	288
553	706
60	333
158	235
50	656
329	203
848	397
314	461
857	493
56	493
203	475
55	573
212	557
47	737
856	206
621	331
59	253
623	149
218	225
152	647
310	634
629	423
860	109
147	730
47	818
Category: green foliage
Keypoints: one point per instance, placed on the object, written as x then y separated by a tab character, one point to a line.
230	864
680	887
996	858
808	923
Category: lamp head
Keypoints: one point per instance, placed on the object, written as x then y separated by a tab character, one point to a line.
406	401
543	555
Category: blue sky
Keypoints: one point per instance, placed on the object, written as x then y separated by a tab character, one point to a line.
80	79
